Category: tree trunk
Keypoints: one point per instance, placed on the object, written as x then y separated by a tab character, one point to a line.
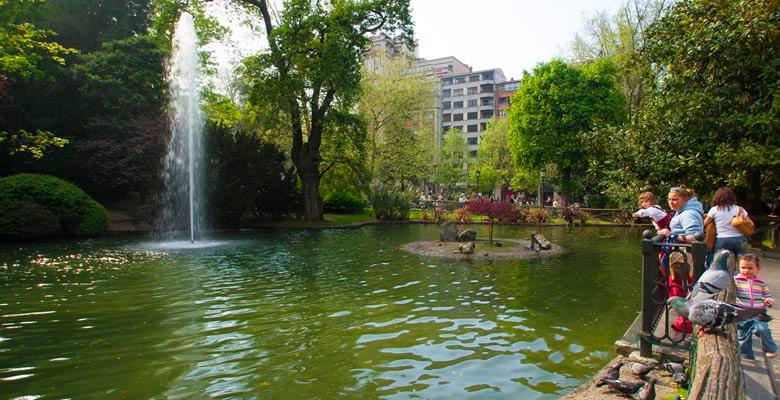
753	200
566	176
312	204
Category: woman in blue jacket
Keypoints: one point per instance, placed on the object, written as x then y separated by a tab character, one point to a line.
687	220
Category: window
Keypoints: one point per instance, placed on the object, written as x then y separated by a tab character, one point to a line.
458	128
502	113
472	90
445	105
458	117
445	129
457	104
486	113
470	129
503	100
486	88
488	76
482	126
472	115
446	117
486	101
471	140
445	93
474	78
457	92
472	103
446	81
460	79
473	154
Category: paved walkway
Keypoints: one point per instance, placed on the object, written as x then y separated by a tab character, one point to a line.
758	383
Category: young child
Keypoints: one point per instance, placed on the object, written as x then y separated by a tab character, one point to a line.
649	208
752	292
680	282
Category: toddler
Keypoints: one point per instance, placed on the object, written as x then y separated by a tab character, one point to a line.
649	208
752	292
680	282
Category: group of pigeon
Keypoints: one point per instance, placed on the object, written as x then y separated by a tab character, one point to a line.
644	389
701	308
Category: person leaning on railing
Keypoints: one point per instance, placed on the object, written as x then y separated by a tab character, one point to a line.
687	220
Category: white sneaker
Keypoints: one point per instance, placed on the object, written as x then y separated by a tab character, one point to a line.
769	354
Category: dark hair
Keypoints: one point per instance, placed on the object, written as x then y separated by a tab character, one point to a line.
750	257
724	198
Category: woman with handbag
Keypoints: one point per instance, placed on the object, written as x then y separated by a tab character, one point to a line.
728	218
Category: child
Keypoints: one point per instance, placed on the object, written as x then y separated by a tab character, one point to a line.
752	292
648	203
680	281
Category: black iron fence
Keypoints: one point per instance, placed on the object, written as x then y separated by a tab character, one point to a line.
657	318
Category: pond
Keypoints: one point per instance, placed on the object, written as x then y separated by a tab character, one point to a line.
312	315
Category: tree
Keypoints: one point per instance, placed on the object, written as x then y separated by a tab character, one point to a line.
494	161
493	210
392	97
452	160
551	110
312	70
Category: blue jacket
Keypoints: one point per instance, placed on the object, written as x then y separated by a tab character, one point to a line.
688	220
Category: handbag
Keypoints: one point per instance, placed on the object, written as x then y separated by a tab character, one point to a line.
743	223
709	236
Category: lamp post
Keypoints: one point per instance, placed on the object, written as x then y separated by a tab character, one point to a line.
478	172
541	186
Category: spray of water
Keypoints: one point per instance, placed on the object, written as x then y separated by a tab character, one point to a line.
183	169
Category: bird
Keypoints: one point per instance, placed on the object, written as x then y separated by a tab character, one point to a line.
714	279
680	378
612	373
639	369
624	387
674	367
710	314
647	392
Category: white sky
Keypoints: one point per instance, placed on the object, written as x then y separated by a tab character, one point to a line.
513	35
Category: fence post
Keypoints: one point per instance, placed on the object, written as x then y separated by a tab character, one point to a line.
699	250
649	266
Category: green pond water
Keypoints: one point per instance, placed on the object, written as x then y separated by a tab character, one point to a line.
331	314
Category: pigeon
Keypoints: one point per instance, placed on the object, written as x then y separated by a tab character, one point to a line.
647	392
714	279
624	387
674	368
639	369
711	314
613	373
680	378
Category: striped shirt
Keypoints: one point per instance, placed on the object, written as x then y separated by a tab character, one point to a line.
751	292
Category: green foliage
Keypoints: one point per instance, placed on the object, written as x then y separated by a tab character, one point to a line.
453	158
391	202
552	109
247	177
21	195
312	69
342	201
33	143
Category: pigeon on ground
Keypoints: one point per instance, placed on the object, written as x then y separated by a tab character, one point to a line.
680	379
612	373
639	369
674	367
624	387
714	279
647	392
711	314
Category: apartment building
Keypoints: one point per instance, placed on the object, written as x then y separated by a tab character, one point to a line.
440	67
468	102
504	92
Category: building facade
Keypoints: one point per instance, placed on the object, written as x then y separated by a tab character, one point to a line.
468	102
504	92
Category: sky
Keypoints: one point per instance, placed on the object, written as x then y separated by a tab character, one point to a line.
513	35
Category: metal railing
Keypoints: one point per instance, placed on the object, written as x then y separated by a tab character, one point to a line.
657	318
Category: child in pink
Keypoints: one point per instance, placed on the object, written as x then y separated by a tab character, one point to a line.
752	292
649	208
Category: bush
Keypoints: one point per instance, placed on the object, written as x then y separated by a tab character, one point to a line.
344	201
390	202
23	198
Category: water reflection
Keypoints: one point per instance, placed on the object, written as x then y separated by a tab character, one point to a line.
311	314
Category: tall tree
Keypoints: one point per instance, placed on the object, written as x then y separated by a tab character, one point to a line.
552	109
312	69
453	158
494	161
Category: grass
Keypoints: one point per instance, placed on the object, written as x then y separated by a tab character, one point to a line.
329	219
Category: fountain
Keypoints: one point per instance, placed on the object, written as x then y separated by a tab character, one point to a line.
183	169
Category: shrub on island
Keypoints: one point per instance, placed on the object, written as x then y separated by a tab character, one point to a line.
34	206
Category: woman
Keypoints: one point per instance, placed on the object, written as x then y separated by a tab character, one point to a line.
724	208
687	220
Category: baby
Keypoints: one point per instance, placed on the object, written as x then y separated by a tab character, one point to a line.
752	292
648	203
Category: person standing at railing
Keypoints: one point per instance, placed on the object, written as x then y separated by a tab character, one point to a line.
687	220
724	208
649	208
